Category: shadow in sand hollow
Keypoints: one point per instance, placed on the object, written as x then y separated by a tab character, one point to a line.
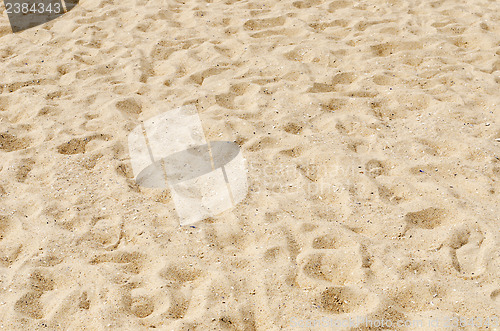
25	14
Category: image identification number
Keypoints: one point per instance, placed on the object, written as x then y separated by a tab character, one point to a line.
36	8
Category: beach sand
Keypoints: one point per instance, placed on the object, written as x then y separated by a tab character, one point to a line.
371	135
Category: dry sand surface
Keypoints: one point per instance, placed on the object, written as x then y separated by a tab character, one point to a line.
371	134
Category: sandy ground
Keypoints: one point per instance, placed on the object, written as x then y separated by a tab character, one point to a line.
371	133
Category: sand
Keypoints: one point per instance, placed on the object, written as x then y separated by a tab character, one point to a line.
370	131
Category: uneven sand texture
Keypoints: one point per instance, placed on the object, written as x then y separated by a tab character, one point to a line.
370	129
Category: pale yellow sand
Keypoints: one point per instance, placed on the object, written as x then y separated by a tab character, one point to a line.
369	128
